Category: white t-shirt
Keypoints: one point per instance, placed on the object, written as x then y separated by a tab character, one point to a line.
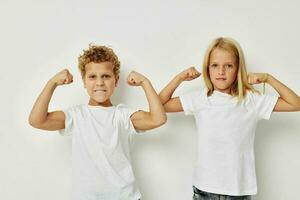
225	161
101	164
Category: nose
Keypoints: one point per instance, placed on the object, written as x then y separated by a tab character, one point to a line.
221	70
100	81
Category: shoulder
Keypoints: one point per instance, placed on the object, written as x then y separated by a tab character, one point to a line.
123	116
124	111
75	110
121	108
258	98
79	107
250	96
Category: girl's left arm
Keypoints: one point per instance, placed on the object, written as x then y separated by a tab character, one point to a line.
288	100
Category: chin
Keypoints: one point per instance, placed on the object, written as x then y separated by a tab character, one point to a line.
221	87
101	100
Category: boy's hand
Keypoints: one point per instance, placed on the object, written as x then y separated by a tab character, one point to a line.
62	78
135	79
189	74
256	78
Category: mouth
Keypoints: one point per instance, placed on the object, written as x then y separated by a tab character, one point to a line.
221	79
99	90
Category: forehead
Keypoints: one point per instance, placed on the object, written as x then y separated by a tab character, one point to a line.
222	55
102	67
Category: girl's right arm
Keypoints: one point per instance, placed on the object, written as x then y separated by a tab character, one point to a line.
174	104
40	117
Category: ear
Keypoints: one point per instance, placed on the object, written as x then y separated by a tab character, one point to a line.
117	80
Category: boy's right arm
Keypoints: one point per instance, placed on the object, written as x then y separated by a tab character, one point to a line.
40	117
174	104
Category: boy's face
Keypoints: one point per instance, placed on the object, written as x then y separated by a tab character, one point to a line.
222	70
100	82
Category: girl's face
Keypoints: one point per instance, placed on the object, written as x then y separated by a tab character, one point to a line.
223	70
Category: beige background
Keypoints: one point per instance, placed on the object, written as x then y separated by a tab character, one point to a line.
159	39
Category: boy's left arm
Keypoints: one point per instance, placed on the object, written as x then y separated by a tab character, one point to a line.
288	100
156	116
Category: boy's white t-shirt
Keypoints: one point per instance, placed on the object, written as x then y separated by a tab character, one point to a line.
225	161
101	164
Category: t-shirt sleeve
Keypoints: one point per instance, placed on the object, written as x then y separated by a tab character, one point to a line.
190	102
68	122
125	114
264	105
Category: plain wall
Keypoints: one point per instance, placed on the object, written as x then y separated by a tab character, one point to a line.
158	39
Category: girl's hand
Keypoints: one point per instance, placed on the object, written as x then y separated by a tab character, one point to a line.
62	78
189	74
135	79
256	78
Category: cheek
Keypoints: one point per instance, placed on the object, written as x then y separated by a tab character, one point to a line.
112	85
233	75
88	85
211	73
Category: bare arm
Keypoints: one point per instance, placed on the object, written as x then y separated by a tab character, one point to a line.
174	104
40	117
288	100
156	116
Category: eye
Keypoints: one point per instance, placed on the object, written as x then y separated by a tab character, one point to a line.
106	76
92	76
229	66
214	65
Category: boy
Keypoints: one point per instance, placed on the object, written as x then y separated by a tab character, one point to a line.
101	167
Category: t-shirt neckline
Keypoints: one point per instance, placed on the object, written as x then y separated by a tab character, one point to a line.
101	107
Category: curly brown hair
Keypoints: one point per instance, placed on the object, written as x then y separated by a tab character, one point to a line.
98	54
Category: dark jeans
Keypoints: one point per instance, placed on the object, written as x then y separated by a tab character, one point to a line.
201	195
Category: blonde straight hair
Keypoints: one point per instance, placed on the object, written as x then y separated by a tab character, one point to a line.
240	86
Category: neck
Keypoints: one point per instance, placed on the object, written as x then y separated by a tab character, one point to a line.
226	91
106	103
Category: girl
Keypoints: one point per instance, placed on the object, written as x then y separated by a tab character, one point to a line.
226	114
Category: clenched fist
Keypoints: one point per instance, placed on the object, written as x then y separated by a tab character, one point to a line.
63	77
135	79
256	78
189	74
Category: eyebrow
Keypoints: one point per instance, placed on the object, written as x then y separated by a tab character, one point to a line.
212	62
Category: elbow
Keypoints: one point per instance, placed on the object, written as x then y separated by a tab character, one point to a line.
31	121
34	123
163	120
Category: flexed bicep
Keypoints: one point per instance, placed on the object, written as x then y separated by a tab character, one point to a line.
143	121
54	121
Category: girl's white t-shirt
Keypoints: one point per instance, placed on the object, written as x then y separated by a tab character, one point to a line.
225	161
101	164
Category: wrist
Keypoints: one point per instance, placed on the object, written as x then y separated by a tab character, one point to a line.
268	77
52	83
179	79
145	81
